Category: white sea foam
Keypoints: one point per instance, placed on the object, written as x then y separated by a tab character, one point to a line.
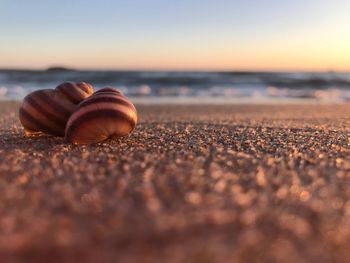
186	86
3	91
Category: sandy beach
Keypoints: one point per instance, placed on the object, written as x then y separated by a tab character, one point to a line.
200	183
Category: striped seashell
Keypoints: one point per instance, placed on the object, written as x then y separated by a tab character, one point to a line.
107	113
49	110
109	90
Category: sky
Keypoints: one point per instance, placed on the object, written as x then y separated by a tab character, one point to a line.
311	35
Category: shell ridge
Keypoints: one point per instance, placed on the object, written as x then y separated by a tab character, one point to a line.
51	102
44	112
110	99
40	126
66	93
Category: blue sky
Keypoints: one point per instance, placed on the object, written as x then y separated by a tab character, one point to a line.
184	34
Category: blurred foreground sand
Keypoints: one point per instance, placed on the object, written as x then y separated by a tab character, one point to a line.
242	183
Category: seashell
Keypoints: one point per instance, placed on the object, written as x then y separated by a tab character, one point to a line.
107	113
112	90
48	110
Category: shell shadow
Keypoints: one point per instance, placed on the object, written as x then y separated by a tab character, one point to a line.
18	141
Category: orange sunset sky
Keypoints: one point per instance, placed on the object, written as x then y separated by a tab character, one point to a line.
176	35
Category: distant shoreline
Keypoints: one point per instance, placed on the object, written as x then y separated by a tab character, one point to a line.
63	68
163	101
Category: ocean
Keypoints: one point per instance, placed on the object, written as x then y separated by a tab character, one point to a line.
161	86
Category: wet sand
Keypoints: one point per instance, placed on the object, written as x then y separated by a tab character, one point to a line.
244	183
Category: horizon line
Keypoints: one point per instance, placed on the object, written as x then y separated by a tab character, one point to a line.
172	69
